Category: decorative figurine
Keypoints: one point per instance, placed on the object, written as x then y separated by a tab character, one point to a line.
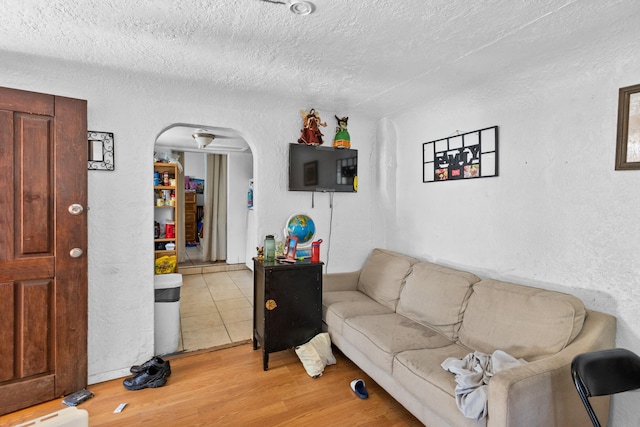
311	135
342	138
260	250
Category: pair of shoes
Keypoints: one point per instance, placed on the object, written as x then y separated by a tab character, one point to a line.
151	377
154	361
151	374
358	388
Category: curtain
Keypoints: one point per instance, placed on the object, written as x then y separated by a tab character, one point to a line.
214	234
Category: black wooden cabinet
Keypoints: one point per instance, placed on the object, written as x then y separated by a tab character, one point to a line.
287	305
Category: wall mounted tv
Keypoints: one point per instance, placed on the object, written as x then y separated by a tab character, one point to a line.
319	168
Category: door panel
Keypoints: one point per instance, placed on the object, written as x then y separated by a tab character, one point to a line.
35	328
34	182
43	290
6	331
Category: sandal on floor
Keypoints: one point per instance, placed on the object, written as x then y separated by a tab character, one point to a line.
358	388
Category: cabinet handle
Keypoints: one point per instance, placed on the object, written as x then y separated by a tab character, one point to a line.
270	304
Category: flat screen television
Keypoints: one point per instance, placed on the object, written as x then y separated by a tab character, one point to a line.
319	168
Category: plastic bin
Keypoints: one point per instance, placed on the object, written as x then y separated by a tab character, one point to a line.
167	312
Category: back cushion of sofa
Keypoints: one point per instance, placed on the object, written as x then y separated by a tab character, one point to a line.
436	296
383	275
525	322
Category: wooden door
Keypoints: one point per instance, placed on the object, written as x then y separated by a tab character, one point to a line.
43	280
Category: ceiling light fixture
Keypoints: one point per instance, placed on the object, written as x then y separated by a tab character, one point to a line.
203	138
301	7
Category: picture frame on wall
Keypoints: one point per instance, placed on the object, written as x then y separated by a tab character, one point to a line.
628	138
462	156
100	150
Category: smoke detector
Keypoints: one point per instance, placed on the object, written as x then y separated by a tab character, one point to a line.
301	7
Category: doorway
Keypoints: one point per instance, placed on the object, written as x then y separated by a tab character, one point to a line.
194	204
216	297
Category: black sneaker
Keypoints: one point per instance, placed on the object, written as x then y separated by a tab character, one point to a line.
151	377
154	361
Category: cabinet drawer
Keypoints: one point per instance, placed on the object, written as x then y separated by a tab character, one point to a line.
189	197
189	218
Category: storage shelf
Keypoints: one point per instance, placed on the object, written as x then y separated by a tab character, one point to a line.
166	212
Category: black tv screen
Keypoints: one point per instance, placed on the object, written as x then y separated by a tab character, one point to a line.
319	168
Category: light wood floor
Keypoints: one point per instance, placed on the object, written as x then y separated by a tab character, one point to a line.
228	387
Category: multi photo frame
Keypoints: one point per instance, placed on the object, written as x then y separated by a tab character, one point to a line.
462	156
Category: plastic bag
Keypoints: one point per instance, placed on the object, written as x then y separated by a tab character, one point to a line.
166	264
316	354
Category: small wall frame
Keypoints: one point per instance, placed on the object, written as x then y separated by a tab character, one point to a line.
100	151
628	140
462	156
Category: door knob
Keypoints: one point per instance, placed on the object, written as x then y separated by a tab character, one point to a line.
76	209
75	252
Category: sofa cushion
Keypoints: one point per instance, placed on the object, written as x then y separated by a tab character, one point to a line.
382	336
436	296
523	321
420	373
383	276
340	305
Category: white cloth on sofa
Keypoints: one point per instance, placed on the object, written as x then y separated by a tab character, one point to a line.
473	373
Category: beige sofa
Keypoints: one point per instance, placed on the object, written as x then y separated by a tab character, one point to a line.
399	318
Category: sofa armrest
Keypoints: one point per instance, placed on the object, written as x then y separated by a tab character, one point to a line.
541	393
340	281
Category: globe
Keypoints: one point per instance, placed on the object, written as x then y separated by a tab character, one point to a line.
302	227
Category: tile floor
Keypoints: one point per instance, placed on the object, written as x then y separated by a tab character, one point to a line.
216	303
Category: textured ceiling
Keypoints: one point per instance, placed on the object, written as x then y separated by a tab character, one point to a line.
373	57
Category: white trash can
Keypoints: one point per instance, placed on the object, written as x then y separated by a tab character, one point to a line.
167	312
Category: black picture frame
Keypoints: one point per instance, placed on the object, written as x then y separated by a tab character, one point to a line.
100	151
461	156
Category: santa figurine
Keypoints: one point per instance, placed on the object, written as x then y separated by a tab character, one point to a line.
311	135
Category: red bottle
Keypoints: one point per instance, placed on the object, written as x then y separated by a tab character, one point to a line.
315	251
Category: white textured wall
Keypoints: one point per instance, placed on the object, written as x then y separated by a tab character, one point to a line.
135	108
193	164
558	216
240	170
